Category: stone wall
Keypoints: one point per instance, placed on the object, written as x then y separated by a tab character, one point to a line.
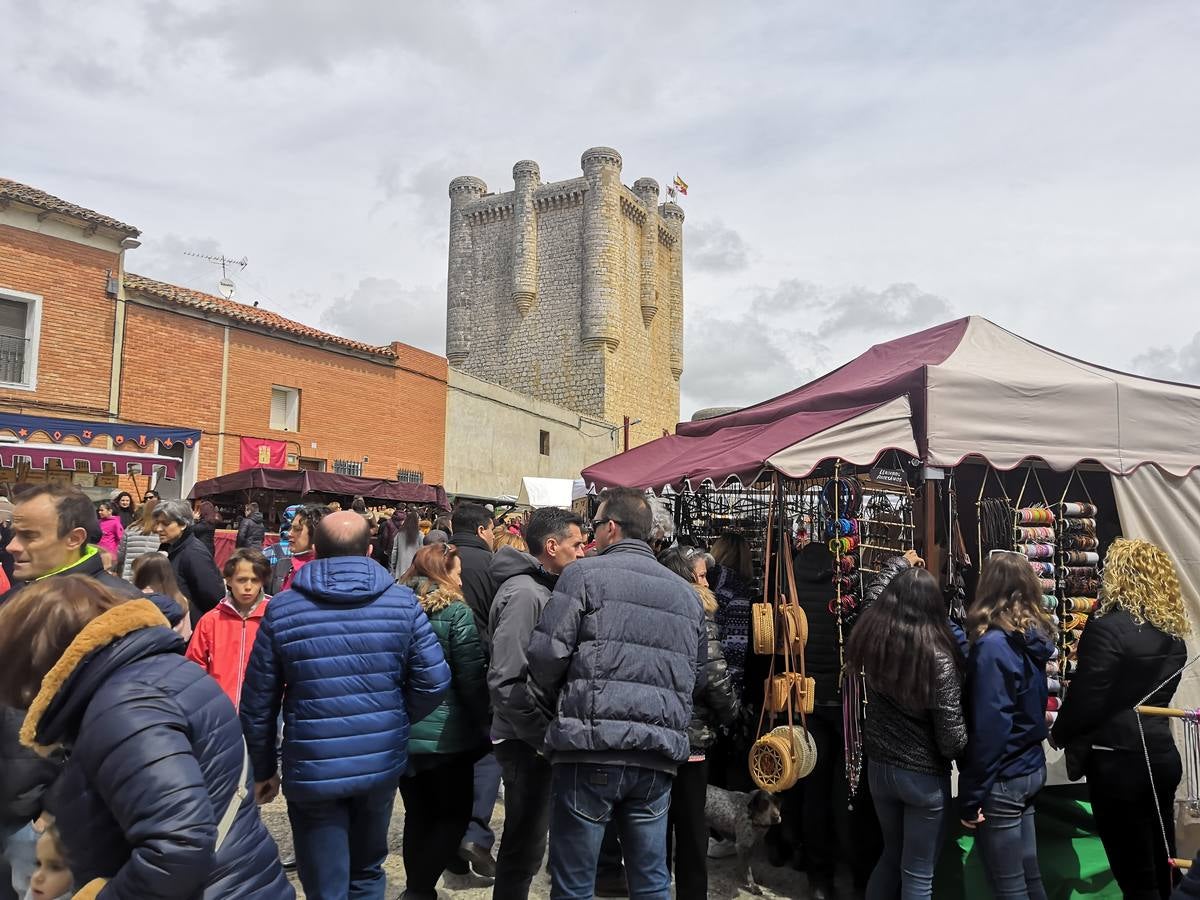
570	292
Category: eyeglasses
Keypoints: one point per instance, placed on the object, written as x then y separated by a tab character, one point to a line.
598	522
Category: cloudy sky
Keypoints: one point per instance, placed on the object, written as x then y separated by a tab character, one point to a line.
859	170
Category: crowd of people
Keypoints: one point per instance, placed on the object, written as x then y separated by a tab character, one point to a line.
149	703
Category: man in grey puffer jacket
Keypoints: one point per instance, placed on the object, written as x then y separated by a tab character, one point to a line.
526	580
614	662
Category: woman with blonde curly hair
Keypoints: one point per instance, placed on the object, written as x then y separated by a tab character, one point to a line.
1131	652
1004	767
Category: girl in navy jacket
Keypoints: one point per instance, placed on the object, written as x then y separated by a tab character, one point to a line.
1011	640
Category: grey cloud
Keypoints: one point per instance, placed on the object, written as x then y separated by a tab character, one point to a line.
257	37
714	247
789	334
896	309
382	310
1171	363
425	187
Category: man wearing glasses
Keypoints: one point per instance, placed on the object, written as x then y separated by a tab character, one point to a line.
613	664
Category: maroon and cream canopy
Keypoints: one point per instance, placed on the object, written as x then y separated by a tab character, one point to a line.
967	387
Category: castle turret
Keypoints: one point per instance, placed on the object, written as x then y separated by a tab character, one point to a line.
647	190
673	218
527	177
601	250
460	274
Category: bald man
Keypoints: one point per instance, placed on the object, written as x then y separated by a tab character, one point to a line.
349	656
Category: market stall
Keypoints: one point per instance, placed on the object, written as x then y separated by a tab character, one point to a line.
276	489
956	440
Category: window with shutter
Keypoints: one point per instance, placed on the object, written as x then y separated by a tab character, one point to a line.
285	408
278	408
18	338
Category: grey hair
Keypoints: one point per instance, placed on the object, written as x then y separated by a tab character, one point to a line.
177	511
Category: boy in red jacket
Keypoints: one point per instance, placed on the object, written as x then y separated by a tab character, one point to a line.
224	636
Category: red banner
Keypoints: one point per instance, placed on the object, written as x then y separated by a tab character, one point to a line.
260	453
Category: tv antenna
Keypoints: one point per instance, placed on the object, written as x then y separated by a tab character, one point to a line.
225	285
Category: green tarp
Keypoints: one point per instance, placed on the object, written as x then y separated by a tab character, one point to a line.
1071	857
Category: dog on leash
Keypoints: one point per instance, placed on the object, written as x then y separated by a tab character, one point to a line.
744	818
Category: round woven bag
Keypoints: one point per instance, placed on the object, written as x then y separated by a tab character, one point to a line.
805	759
772	766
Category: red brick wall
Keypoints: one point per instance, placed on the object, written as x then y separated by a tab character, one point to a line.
350	407
171	375
393	412
75	350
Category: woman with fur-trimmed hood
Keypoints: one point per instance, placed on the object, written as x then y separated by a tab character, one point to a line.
155	798
443	748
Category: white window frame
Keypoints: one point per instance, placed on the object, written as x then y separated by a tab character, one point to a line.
291	415
33	330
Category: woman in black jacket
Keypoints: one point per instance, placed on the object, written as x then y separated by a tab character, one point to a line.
1131	652
251	529
713	706
155	799
197	574
913	671
207	521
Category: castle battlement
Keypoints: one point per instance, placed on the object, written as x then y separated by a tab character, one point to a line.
570	291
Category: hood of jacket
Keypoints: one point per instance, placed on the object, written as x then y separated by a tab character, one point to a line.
510	562
1038	648
123	635
256	518
342	580
431	595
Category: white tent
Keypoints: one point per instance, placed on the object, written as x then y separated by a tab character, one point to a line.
561	492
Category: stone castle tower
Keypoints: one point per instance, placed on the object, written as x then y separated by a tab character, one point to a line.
571	291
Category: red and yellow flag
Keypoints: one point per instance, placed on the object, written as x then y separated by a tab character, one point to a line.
681	185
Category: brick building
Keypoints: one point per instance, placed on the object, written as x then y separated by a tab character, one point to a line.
96	362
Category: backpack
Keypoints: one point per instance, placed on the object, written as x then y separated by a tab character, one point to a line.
279	572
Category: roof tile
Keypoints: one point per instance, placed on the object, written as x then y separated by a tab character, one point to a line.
241	312
23	193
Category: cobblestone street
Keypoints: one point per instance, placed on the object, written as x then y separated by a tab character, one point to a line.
775	882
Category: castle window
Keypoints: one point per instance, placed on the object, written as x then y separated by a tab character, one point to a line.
409	476
544	443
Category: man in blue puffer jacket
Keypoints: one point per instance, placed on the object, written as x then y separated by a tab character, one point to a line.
614	662
351	657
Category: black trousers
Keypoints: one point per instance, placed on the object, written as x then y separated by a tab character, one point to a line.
437	808
819	815
687	831
526	777
1123	802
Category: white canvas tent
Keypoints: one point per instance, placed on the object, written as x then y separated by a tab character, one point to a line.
964	389
561	492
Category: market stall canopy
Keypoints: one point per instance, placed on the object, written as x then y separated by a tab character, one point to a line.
303	481
560	492
970	388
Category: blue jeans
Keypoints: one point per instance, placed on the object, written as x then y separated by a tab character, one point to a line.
584	797
912	809
1007	839
18	849
341	845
